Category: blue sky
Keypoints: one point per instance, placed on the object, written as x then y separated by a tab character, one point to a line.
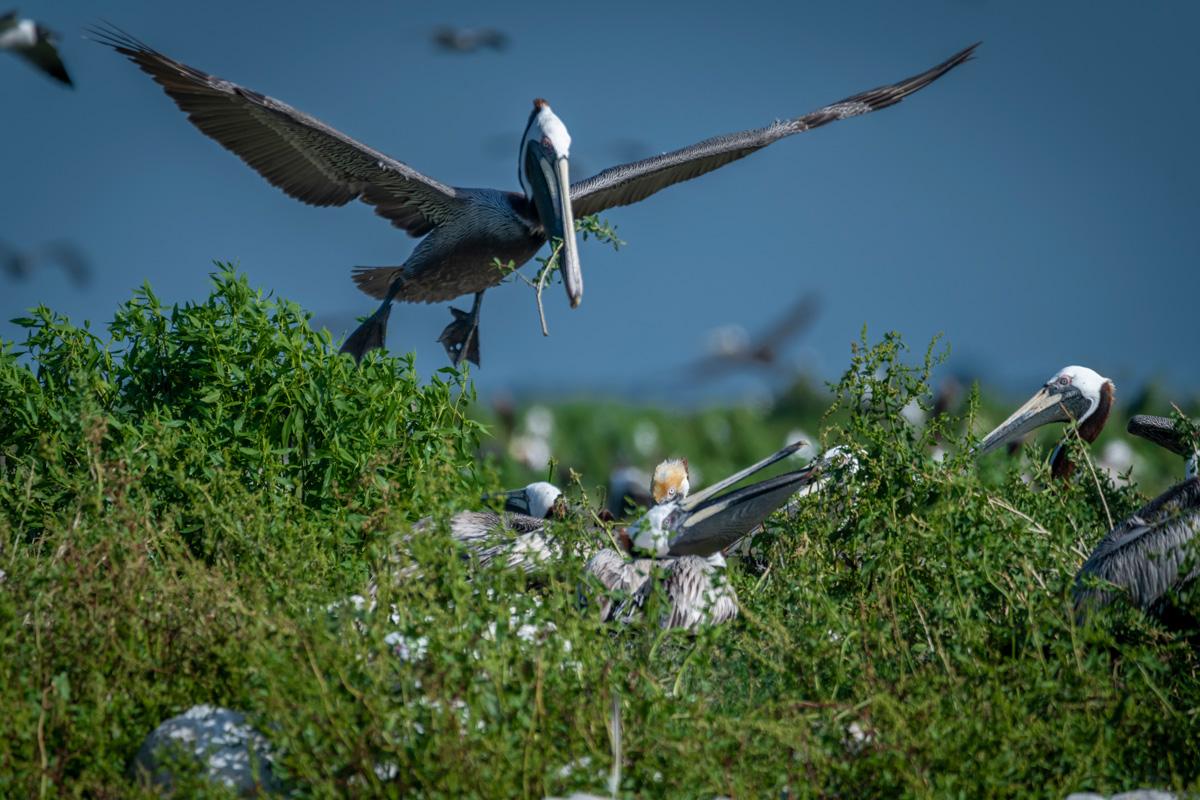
1038	206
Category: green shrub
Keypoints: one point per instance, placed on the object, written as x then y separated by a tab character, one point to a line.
187	506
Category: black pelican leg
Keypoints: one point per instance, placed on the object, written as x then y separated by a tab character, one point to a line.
461	337
373	330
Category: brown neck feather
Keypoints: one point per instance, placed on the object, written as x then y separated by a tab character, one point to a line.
624	540
1090	428
1060	465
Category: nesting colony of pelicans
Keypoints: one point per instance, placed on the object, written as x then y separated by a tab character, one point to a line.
656	550
470	238
682	539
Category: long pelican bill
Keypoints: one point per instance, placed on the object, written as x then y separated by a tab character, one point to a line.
572	274
1050	404
515	500
722	521
550	187
1161	431
699	497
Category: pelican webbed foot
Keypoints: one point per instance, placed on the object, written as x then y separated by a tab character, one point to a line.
461	337
370	334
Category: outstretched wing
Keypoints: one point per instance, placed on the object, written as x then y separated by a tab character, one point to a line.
720	522
44	55
629	183
301	155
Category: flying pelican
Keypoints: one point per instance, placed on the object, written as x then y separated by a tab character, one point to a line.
731	348
1151	553
35	44
466	230
1075	393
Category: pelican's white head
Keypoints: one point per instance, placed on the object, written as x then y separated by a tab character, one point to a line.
670	481
539	499
542	497
1073	393
545	177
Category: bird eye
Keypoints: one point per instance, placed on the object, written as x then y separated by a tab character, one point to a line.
671	492
1064	380
546	143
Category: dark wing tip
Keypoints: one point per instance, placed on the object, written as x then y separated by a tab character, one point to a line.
59	72
120	40
917	82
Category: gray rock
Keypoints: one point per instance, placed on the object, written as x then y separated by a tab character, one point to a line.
218	742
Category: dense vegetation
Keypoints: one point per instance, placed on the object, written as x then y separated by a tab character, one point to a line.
186	502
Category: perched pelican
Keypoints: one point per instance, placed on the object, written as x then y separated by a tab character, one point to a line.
707	522
517	535
1075	393
34	43
466	230
1151	553
680	541
489	533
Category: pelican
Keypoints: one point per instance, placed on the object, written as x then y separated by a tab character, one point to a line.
698	592
517	535
35	44
705	523
680	542
1150	554
1074	393
467	231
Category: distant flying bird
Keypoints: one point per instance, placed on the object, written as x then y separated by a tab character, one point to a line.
732	349
20	265
35	44
1152	553
1075	393
468	40
469	230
